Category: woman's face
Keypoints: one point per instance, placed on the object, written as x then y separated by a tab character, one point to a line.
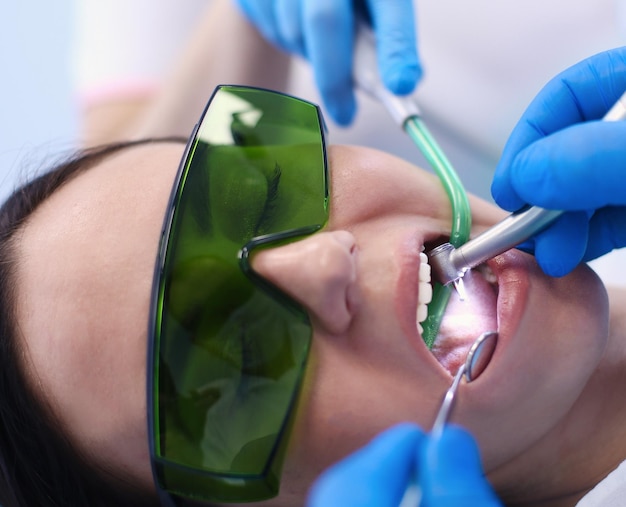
85	268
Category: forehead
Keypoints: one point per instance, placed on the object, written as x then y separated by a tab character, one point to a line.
84	275
107	217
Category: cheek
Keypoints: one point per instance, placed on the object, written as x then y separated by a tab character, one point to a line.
564	331
347	400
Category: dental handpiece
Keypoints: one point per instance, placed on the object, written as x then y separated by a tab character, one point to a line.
449	264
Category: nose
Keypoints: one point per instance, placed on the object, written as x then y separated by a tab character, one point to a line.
319	272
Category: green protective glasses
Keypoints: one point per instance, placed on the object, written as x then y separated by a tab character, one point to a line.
227	349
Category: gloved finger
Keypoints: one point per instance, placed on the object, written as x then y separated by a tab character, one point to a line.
502	190
261	14
451	473
375	475
607	231
585	91
329	43
396	41
578	168
561	247
527	246
288	15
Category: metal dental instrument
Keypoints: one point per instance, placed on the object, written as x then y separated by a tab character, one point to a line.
449	264
478	358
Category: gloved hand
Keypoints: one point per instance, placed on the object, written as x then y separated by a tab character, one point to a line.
560	156
378	474
322	31
450	473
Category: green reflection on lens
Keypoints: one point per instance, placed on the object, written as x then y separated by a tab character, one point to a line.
228	356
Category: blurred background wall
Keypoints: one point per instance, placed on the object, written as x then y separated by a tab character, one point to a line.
37	114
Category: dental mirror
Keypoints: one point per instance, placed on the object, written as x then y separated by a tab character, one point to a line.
478	358
480	354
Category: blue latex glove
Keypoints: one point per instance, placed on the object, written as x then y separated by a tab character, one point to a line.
322	31
450	473
560	156
378	474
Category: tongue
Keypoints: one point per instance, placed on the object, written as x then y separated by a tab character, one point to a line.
465	321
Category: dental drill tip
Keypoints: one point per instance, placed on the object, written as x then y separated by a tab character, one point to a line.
459	285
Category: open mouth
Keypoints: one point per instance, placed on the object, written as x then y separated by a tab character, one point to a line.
464	319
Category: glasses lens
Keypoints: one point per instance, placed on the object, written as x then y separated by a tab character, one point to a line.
227	357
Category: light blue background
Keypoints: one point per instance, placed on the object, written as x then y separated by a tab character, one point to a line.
37	113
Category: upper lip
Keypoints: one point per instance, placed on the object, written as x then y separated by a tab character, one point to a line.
406	295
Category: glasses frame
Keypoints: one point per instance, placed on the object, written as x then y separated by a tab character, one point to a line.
166	498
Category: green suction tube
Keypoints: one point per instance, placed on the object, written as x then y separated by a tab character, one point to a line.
461	216
405	113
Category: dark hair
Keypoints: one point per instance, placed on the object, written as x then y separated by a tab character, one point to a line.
39	466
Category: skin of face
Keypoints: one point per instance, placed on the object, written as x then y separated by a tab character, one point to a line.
85	270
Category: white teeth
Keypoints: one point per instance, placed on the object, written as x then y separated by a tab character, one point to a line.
488	274
424	268
424	291
422	312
